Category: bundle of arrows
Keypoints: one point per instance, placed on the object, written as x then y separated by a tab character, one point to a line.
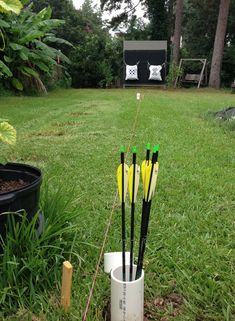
128	179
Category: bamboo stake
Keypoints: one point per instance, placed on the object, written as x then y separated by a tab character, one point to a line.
66	284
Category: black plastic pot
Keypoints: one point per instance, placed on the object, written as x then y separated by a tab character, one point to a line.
26	198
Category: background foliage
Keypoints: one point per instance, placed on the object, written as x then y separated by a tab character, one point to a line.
27	54
199	26
96	55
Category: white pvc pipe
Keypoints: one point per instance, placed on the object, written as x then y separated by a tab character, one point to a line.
114	259
127	298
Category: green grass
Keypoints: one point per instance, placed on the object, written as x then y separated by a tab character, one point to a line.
74	137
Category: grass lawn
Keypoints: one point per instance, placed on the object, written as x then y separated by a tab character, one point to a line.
74	137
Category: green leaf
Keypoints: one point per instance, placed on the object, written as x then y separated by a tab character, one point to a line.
10	5
7	133
35	34
17	84
64	58
23	55
5	69
39	55
42	66
57	40
7	59
4	24
28	72
51	52
15	46
44	13
33	56
24	2
50	24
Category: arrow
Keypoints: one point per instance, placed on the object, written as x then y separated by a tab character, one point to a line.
149	181
122	178
134	175
145	164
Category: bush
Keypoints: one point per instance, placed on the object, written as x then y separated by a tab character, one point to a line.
92	62
174	72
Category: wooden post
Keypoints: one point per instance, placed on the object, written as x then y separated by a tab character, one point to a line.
177	78
66	284
204	61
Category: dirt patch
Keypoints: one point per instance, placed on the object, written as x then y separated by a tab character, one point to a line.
34	158
8	186
49	134
158	309
81	113
170	306
68	123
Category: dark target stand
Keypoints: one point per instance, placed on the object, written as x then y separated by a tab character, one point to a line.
143	52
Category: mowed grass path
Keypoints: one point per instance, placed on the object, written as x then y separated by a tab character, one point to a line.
74	137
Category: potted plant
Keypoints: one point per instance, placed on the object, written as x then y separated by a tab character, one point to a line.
19	183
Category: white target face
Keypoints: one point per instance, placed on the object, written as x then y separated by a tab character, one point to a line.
155	72
132	72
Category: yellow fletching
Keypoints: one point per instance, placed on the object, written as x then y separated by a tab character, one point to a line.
147	180
143	165
130	180
146	171
154	180
119	180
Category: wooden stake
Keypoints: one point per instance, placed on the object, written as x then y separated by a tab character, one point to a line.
66	284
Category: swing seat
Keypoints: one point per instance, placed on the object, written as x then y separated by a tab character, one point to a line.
194	78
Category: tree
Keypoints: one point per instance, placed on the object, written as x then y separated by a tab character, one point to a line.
127	7
95	55
157	14
177	31
217	57
63	9
198	34
158	11
137	29
199	25
27	55
95	58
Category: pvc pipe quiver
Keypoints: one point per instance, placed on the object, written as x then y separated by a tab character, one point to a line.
127	279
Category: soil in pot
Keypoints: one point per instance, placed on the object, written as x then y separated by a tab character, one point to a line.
9	186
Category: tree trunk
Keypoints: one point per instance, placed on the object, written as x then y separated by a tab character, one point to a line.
219	44
177	32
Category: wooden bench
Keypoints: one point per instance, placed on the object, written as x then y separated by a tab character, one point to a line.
192	78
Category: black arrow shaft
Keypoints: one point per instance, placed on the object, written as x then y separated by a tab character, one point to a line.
144	223
123	222
132	217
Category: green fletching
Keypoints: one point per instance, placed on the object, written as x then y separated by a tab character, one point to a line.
134	150
148	147
156	148
122	149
